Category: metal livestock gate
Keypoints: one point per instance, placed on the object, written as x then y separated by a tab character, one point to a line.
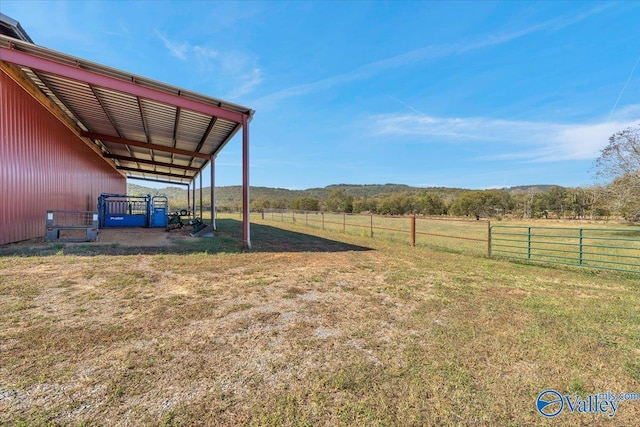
121	210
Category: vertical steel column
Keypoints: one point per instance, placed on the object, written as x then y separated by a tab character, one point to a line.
200	194
246	229
488	239
213	192
189	197
580	254
193	211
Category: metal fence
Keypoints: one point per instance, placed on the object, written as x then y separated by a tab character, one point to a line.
449	234
598	248
601	248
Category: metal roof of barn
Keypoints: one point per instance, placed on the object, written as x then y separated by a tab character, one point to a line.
147	129
12	28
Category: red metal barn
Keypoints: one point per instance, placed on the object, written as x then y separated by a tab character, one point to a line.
72	129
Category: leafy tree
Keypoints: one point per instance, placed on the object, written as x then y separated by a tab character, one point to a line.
554	198
339	201
305	204
396	204
624	197
430	204
485	203
365	204
522	203
576	202
280	203
620	162
260	204
622	155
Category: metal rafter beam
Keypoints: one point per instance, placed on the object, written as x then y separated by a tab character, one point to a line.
210	126
150	162
133	143
175	127
145	126
176	123
173	175
206	133
130	87
60	99
106	112
164	181
230	137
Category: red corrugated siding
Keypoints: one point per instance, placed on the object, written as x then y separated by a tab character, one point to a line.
43	166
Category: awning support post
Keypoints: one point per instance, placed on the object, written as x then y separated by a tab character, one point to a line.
193	196
213	192
246	232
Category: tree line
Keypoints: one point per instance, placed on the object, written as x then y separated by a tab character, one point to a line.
555	202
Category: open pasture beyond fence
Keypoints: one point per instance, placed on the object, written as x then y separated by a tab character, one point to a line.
610	248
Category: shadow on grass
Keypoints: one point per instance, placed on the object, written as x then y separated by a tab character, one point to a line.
265	238
228	238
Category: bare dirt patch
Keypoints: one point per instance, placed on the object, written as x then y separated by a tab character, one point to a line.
143	236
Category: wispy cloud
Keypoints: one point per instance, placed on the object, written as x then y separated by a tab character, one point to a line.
428	53
179	50
236	67
250	81
522	140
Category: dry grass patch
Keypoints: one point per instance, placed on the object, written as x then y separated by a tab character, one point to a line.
392	336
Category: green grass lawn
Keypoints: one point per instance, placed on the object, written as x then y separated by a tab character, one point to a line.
308	328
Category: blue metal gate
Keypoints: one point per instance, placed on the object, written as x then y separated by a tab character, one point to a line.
121	210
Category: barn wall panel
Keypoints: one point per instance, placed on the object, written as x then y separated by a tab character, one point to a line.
43	166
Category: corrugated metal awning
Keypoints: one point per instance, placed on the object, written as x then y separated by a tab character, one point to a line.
148	130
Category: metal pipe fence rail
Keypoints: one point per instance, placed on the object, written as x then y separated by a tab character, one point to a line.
454	235
600	248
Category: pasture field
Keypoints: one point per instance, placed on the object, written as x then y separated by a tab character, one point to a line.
310	327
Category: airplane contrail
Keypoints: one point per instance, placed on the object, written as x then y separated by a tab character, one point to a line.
624	87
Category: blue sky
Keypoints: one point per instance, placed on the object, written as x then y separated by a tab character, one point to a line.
456	94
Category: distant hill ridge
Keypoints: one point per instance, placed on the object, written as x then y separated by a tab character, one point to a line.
232	195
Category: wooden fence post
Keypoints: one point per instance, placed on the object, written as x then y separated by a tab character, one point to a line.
322	220
413	230
371	225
